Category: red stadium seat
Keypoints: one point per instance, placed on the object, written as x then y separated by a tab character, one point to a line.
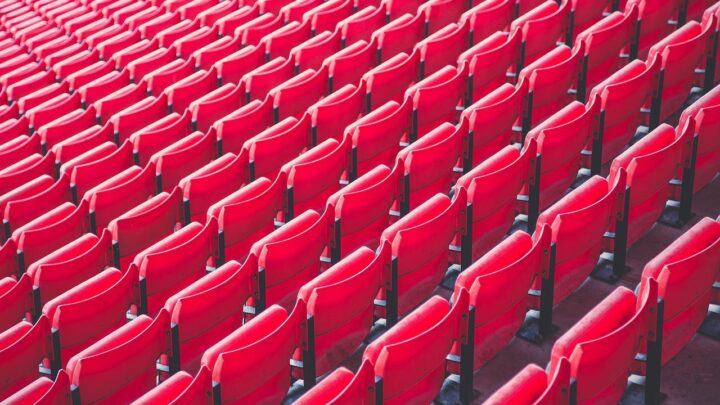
340	329
159	135
685	273
138	115
542	28
442	48
261	80
195	40
119	100
273	147
184	157
280	42
142	66
389	80
175	262
428	164
234	66
97	165
654	17
362	210
214	105
22	348
66	126
160	79
206	56
376	136
420	242
70	265
246	216
491	121
51	109
331	115
435	100
706	114
315	175
399	36
25	170
289	257
50	231
228	23
103	372
585	14
210	183
622	96
348	65
602	346
326	16
253	31
32	188
16	301
492	188
489	62
500	281
120	193
682	52
487	17
181	388
561	139
342	387
17	149
268	340
21	211
311	53
579	221
44	390
144	225
441	13
89	311
361	25
223	292
294	96
425	337
607	45
650	164
102	86
550	79
192	87
533	385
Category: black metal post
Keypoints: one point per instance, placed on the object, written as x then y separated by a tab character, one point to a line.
466	239
597	147
654	359
467	359
547	293
391	295
308	355
533	209
174	360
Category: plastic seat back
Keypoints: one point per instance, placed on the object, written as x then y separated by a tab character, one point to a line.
706	114
579	221
89	311
376	136
121	366
119	194
331	115
290	256
533	385
22	348
426	337
622	96
429	163
144	225
175	262
222	293
210	183
650	164
602	346
315	175
70	265
436	98
362	210
561	139
269	150
388	81
420	243
181	388
542	28
489	63
246	216
16	301
252	363
500	281
684	271
340	301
